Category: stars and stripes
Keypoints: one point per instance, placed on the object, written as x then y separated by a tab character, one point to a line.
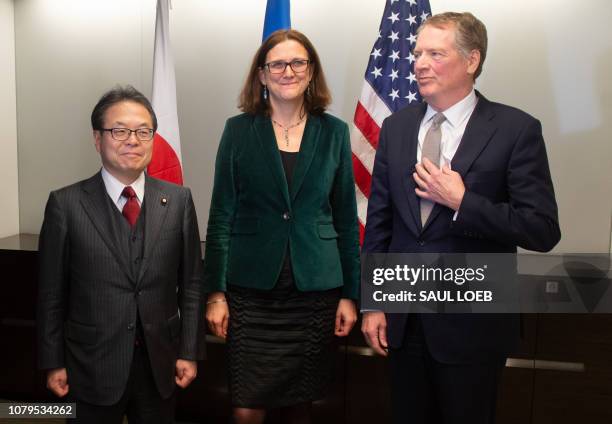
390	85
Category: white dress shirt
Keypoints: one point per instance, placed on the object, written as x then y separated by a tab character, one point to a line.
114	188
457	117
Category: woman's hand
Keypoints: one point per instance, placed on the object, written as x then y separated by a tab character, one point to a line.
217	314
346	316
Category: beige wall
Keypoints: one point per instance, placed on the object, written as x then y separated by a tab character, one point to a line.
68	53
551	58
9	219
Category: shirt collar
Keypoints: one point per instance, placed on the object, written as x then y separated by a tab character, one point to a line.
457	112
114	187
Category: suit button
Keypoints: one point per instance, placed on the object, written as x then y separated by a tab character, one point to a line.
286	216
421	242
130	326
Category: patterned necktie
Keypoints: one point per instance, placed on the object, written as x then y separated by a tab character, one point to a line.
131	209
431	151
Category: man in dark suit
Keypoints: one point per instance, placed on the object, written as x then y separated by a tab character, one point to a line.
119	305
456	174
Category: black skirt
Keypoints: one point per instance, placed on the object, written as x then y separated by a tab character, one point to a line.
280	343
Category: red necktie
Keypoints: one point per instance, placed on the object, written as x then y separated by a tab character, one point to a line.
131	209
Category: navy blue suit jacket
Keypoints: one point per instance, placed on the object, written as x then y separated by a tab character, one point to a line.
509	202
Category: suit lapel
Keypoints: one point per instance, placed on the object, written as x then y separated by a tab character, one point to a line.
267	140
478	133
308	147
156	208
409	159
95	204
479	130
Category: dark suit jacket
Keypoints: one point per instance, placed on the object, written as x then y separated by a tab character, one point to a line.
88	300
509	202
254	216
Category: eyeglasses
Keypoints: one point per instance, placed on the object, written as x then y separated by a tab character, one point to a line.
122	134
278	67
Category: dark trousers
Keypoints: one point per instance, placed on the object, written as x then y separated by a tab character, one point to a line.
425	391
141	402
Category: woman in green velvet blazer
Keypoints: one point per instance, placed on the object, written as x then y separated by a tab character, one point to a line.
282	225
254	216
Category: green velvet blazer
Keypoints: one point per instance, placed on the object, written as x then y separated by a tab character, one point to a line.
254	216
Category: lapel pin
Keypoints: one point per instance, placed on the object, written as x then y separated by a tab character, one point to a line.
164	201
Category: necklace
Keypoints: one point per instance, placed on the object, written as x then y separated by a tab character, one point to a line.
286	129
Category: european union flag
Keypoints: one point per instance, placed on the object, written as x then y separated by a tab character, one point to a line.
277	17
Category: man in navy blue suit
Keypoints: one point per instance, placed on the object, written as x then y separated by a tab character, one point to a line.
456	174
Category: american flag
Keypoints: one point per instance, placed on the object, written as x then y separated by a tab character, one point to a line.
389	86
